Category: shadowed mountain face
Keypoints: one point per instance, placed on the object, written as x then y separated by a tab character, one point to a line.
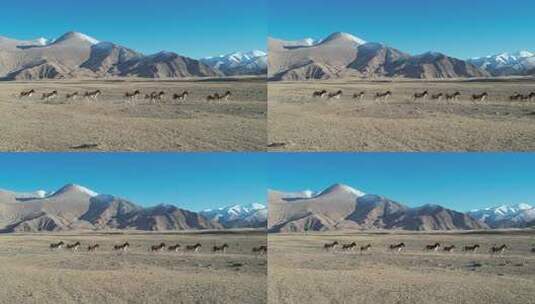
343	55
74	207
341	207
75	55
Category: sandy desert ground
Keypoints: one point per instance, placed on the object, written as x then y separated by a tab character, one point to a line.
111	124
301	271
298	122
32	273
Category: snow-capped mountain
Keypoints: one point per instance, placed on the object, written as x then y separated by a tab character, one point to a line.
239	63
506	216
504	64
236	216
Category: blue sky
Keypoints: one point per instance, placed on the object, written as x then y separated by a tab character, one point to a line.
196	28
194	181
458	28
462	181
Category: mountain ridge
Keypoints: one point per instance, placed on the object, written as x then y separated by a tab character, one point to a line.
75	207
341	207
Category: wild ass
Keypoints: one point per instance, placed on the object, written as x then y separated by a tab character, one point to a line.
194	248
48	96
58	245
73	247
480	97
449	248
24	94
422	95
330	246
92	95
92	248
335	95
433	247
454	96
221	248
174	248
499	250
349	247
359	96
123	247
365	248
384	96
397	247
471	248
131	96
182	96
319	94
72	96
261	250
437	96
156	248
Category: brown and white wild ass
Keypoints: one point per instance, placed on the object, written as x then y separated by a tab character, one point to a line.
471	248
365	248
73	247
72	95
359	96
24	94
181	97
384	96
498	249
480	97
397	247
319	94
58	245
335	95
194	248
349	247
92	248
175	248
437	96
433	247
449	248
261	250
48	96
122	247
454	96
157	248
92	95
221	248
422	95
330	246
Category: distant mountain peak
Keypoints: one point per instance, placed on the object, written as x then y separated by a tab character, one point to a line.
343	36
342	188
75	188
76	36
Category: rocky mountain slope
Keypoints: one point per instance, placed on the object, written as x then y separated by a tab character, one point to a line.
341	207
74	207
507	64
344	55
239	63
506	216
238	216
76	55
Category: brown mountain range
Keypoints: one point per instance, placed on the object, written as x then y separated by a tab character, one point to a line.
341	207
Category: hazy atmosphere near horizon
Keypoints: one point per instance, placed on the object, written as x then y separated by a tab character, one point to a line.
463	29
189	181
460	181
196	29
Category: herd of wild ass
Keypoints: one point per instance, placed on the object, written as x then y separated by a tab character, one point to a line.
194	248
384	96
153	97
399	247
